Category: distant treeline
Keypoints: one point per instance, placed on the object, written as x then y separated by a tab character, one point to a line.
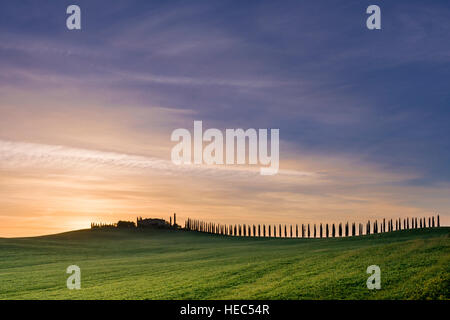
119	224
320	230
141	223
312	230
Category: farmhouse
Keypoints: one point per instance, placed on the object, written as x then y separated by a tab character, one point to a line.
152	222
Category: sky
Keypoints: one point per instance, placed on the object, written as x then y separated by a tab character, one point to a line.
86	115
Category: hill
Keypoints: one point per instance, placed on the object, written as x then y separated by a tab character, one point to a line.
166	264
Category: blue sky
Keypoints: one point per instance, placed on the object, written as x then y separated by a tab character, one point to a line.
310	68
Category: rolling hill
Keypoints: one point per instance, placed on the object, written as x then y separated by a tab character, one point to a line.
167	264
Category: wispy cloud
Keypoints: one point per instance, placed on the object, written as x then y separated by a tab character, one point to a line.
23	154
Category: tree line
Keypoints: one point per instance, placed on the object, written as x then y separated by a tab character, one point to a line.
320	230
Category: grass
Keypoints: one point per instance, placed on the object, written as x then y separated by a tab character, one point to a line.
157	264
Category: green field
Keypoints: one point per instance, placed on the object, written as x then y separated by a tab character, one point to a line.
163	264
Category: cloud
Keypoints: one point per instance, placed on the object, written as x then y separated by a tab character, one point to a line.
22	154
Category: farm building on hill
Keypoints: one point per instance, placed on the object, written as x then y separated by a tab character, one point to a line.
151	222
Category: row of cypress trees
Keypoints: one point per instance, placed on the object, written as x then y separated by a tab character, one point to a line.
311	231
